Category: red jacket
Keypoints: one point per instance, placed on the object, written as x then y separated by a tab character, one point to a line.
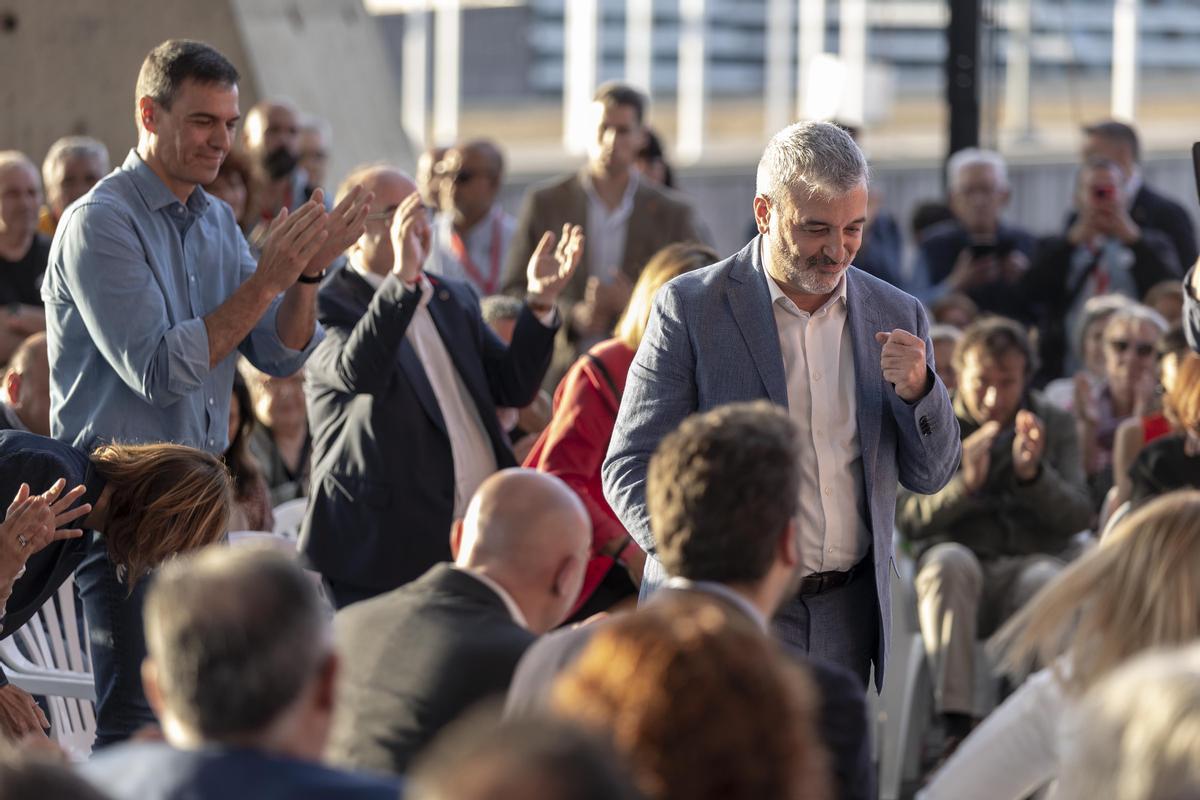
575	442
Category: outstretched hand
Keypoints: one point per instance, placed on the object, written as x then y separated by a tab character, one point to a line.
411	236
343	226
553	263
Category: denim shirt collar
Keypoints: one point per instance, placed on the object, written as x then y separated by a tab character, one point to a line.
154	192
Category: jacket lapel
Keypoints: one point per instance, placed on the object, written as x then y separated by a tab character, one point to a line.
407	357
750	301
864	324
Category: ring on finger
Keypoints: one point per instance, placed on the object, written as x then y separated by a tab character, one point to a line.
21	540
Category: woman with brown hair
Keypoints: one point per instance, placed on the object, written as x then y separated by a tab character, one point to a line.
573	445
146	503
700	706
1138	590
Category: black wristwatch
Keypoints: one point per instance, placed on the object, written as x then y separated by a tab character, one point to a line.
320	276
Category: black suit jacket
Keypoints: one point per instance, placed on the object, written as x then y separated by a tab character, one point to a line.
1153	210
157	771
413	660
382	493
842	718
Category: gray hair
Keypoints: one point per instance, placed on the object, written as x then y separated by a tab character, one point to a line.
818	158
974	157
1137	732
942	332
236	635
15	158
69	147
1139	314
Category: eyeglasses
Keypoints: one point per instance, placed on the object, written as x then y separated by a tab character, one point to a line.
385	216
1142	349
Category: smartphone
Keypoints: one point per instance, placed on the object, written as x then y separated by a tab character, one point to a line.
1103	193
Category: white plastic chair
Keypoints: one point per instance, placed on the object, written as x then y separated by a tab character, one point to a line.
57	663
288	517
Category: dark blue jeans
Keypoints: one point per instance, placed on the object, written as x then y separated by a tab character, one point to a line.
114	619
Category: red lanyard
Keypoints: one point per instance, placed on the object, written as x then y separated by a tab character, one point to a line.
489	284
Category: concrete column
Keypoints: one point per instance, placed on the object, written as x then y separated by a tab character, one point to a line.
778	84
414	107
581	23
810	43
1017	90
852	47
639	44
691	95
447	64
1124	59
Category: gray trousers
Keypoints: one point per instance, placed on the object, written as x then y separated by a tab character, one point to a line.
960	599
839	626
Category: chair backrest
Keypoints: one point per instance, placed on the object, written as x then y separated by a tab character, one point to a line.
288	517
51	655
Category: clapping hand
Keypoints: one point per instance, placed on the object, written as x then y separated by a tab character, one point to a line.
33	521
551	265
977	455
343	226
411	237
903	363
1028	445
292	242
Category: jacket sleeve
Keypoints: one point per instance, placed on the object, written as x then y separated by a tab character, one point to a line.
928	446
576	443
1191	312
358	356
660	392
515	371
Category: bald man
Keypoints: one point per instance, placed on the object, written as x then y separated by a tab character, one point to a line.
417	657
402	395
271	138
472	234
26	402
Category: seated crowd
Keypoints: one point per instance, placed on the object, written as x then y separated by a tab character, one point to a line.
506	431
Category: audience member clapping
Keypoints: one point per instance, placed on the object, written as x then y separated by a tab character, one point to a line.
1103	252
1085	358
419	656
1128	390
573	446
73	165
540	758
976	253
279	439
240	672
992	537
660	685
1138	590
25	405
1136	734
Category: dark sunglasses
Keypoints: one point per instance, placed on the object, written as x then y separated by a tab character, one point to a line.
464	176
1143	349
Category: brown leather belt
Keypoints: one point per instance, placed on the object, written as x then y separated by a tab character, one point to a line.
819	582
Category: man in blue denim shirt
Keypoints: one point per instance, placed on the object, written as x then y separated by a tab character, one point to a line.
150	294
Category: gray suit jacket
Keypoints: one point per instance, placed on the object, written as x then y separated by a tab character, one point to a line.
712	340
660	217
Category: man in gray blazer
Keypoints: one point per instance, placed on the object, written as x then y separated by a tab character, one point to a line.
789	319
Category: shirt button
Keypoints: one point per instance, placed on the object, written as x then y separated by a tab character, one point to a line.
192	278
828	492
817	375
211	442
212	401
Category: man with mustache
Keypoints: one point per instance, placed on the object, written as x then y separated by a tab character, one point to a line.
789	319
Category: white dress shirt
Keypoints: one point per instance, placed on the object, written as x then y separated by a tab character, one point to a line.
607	229
470	447
486	244
818	360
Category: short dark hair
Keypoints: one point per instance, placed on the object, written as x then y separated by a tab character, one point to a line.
236	634
720	490
622	94
176	60
994	337
1117	132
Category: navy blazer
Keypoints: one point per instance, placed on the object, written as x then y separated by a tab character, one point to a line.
40	461
841	718
382	493
712	340
157	771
